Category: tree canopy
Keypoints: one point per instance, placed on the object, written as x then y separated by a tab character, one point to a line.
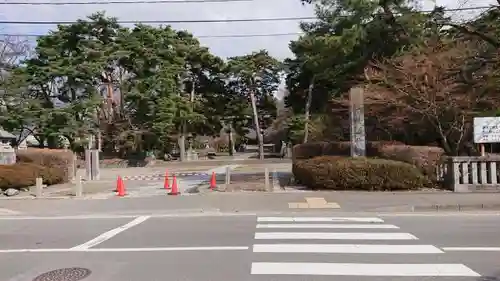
134	88
156	88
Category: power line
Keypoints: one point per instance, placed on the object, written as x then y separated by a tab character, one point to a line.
201	36
118	2
212	21
164	21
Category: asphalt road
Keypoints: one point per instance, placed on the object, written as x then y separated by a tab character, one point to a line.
342	246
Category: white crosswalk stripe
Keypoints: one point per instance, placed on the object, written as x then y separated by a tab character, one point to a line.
373	238
324	225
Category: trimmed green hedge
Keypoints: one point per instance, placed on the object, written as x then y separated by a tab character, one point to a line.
346	173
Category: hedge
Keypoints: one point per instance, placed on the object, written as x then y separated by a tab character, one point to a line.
54	158
343	148
425	158
346	173
22	175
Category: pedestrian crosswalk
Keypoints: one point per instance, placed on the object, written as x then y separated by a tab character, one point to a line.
296	245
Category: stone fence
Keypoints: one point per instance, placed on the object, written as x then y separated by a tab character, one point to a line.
470	173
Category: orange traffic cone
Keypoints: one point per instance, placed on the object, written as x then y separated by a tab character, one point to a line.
166	184
174	190
120	187
213	183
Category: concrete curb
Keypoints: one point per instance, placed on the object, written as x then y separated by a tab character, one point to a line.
433	208
456	207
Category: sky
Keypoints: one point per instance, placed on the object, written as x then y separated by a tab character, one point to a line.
224	47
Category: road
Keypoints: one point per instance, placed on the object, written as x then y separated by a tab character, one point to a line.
289	246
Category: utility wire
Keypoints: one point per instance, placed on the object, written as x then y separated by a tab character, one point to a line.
118	2
164	21
212	21
201	36
461	5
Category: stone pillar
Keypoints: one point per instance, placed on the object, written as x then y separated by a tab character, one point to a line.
357	120
92	168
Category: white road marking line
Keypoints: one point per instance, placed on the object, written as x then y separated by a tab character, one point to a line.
346	248
11	251
317	219
166	249
362	269
478	213
131	216
161	249
325	225
472	249
8	212
336	235
110	234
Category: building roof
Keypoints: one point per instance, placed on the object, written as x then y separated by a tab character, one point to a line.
6	135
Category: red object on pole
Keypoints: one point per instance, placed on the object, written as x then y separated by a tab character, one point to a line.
175	190
120	187
213	183
166	184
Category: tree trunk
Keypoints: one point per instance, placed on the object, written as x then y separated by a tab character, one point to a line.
231	141
182	142
308	109
52	142
257	126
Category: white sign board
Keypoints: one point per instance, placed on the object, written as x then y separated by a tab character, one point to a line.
487	130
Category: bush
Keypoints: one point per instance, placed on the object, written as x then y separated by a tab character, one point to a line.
53	158
426	158
307	150
345	173
24	175
343	148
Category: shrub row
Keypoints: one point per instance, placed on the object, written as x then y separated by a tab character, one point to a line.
53	158
22	175
54	166
425	158
346	173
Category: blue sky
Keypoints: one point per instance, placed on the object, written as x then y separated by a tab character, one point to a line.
225	47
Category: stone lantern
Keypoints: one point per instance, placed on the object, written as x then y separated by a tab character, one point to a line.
7	152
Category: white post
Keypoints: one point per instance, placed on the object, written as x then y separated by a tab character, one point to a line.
39	187
228	177
276	183
79	187
266	180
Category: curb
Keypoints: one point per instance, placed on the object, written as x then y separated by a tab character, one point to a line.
455	207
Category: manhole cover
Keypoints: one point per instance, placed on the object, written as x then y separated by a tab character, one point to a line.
64	274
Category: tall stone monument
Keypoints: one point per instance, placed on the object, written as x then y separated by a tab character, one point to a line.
357	120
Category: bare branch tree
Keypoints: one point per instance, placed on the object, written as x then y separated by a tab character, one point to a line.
13	49
428	84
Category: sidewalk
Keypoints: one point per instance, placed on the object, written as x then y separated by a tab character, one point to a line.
262	202
416	201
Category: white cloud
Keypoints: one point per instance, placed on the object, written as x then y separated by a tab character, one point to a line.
225	47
